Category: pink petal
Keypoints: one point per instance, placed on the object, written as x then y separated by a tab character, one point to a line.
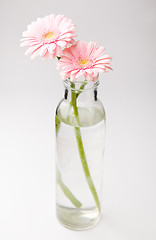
90	48
98	52
58	51
61	43
32	49
89	71
46	55
79	74
35	53
63	28
43	50
51	47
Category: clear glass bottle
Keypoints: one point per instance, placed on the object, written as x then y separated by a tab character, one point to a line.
80	135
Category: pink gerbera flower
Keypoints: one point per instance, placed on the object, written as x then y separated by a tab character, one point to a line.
47	36
83	59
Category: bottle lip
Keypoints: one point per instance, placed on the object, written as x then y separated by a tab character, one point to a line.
78	83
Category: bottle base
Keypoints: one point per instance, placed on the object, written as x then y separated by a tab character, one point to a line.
77	219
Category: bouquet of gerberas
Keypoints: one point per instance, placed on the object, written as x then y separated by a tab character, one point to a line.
80	64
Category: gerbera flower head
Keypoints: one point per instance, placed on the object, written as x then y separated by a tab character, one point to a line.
83	59
47	36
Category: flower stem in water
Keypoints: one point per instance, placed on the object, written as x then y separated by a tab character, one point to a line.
67	192
64	188
82	151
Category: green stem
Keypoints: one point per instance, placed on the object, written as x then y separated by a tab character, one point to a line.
81	150
64	188
85	166
77	94
80	91
73	102
57	124
67	192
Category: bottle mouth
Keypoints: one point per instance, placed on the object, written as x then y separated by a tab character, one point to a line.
80	85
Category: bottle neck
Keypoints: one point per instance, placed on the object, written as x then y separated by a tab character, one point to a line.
84	91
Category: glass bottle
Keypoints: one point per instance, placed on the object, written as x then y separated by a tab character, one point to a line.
80	135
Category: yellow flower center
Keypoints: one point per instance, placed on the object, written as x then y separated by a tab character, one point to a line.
48	35
83	61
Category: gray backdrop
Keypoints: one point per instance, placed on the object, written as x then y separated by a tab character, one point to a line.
29	93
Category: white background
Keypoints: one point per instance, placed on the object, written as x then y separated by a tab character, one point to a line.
29	94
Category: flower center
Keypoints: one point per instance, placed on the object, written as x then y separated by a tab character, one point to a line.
83	61
48	35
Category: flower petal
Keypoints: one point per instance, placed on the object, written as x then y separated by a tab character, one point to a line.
83	59
54	31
